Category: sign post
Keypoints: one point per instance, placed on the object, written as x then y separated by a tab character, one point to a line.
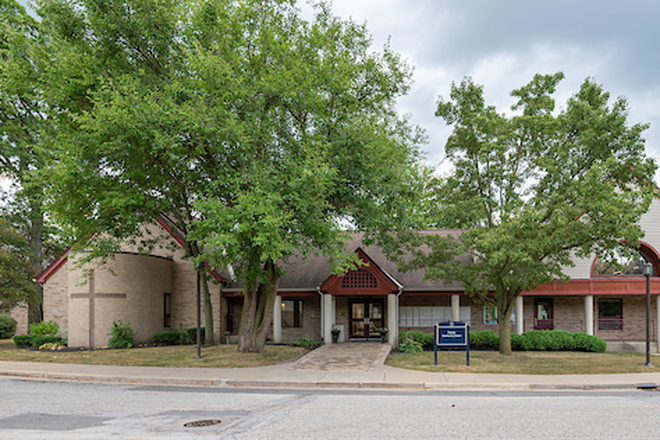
452	335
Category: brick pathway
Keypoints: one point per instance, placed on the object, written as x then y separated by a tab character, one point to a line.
348	356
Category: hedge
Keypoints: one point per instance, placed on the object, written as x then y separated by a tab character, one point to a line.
533	340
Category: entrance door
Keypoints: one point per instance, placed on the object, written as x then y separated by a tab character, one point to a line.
543	314
366	318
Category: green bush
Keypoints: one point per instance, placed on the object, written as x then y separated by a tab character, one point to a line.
306	342
410	345
170	337
7	326
191	335
38	341
484	340
424	339
516	342
23	340
44	328
585	342
121	335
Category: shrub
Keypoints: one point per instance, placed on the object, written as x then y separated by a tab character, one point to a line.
424	339
121	335
306	342
7	326
38	341
191	335
44	328
169	337
410	345
22	340
516	342
484	340
585	342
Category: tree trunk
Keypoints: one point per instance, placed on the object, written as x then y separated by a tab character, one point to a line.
208	311
505	330
257	316
35	235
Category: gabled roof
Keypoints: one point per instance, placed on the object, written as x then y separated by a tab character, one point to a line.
309	272
162	220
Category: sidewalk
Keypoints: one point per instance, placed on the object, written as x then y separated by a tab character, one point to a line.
317	370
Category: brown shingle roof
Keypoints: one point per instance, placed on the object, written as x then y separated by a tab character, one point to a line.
309	272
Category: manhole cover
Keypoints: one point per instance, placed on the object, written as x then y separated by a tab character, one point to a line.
201	423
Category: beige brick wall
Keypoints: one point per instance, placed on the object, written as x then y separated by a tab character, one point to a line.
20	314
129	288
56	299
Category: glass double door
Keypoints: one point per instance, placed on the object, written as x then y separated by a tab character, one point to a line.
366	318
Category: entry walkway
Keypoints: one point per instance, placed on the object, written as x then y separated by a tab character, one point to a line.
346	356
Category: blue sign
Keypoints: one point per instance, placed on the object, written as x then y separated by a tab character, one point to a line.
452	335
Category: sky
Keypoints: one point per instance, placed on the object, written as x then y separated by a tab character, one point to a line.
503	44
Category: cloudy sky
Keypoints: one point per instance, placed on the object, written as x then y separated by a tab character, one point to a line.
502	44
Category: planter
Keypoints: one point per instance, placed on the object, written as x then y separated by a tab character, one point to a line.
383	335
335	335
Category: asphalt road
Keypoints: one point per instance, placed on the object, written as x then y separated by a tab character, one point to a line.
34	409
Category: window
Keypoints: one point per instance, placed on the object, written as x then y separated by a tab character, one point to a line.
623	262
610	314
292	313
167	310
490	315
428	316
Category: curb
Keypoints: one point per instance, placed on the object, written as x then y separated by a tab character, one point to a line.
228	383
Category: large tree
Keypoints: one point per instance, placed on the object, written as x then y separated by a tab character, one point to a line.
259	133
535	188
24	130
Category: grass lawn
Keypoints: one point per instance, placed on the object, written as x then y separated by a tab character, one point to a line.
526	362
220	356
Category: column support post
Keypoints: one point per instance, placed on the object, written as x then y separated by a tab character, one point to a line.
589	315
277	320
520	315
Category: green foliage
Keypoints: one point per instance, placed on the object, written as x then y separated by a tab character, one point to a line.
191	335
534	189
23	340
585	342
424	339
268	128
38	341
306	342
484	340
410	345
169	337
7	326
16	275
44	328
121	335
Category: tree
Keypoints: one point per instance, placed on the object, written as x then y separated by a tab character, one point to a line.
23	129
16	285
259	133
536	188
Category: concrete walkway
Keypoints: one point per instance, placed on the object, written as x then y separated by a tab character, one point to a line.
349	365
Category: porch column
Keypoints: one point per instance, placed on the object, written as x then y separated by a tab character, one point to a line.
520	315
328	317
657	322
277	320
455	307
392	324
589	315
